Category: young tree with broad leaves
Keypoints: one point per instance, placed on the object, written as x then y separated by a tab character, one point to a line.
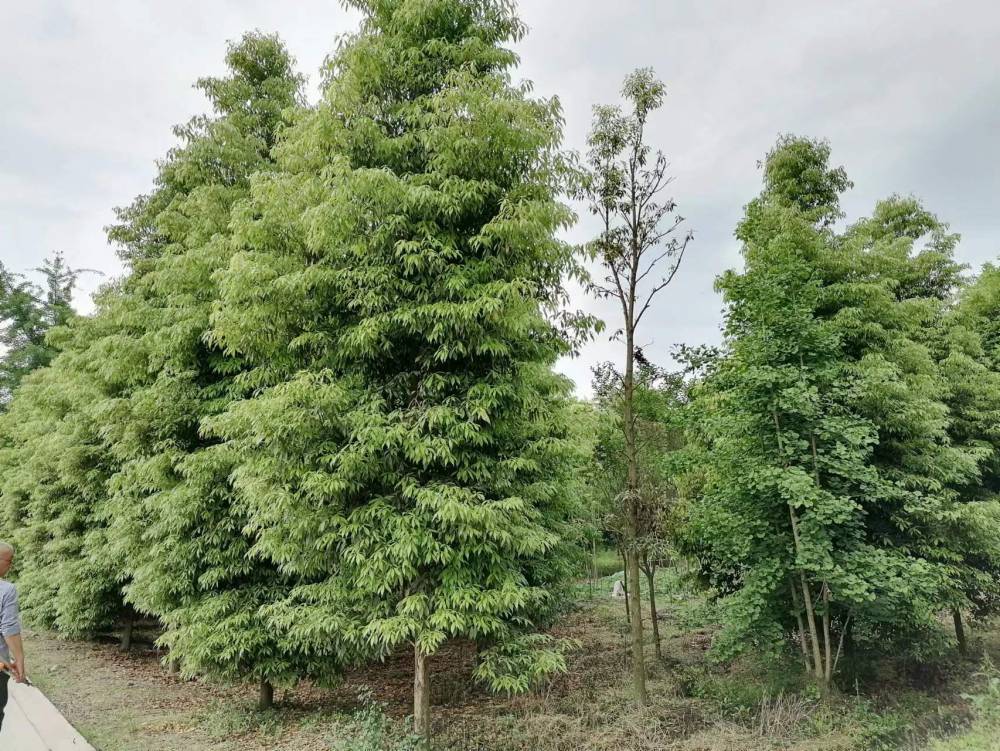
779	512
640	248
969	360
833	505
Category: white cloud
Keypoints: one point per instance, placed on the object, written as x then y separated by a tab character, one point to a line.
908	92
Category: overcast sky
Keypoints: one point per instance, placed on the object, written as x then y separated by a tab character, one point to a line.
907	92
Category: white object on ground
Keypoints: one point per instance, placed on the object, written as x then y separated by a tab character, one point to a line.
618	590
32	723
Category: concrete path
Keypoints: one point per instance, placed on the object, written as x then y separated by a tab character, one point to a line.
31	723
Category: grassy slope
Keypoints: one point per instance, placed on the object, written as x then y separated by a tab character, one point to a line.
129	703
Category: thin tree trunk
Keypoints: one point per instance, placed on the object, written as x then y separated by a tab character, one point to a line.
421	695
638	656
650	577
628	613
807	600
840	644
828	672
266	697
631	509
802	627
806	595
813	631
963	644
593	567
850	649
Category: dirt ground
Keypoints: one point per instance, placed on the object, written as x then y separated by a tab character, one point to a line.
130	702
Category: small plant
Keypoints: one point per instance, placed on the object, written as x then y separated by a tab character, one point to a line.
223	720
987	702
369	729
782	714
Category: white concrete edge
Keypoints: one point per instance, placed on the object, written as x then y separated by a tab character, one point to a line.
49	725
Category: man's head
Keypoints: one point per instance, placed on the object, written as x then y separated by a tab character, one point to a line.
6	557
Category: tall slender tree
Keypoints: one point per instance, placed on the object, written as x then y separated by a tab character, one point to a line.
641	248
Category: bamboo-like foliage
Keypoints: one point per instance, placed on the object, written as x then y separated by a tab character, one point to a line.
405	450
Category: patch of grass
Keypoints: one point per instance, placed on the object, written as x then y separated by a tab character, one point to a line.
370	729
984	732
608	562
222	721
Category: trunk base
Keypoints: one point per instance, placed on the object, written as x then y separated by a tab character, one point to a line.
266	699
421	696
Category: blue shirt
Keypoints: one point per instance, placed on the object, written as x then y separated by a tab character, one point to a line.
10	617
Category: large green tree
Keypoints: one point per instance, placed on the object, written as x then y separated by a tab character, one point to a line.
175	528
968	355
832	427
406	446
53	474
107	471
888	288
780	511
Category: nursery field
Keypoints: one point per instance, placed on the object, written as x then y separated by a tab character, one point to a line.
129	702
421	413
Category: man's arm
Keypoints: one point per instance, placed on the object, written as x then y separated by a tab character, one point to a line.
10	630
17	654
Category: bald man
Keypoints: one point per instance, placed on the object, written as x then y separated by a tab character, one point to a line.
11	649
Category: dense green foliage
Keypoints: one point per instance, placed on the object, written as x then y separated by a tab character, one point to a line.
53	475
405	449
175	528
840	434
318	422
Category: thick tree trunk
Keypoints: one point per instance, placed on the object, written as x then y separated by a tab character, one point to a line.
963	644
421	695
127	633
265	699
650	577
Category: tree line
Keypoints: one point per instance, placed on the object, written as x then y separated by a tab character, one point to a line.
318	422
